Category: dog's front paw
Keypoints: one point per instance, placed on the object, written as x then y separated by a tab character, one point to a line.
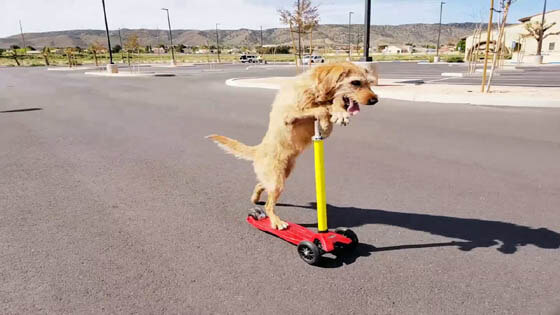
340	118
277	224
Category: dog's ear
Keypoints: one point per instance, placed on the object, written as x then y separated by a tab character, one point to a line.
326	78
371	73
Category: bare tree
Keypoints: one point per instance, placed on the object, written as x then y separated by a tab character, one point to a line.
94	48
499	46
131	45
536	31
70	54
46	53
302	20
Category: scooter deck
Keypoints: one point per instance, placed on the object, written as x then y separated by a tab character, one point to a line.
295	234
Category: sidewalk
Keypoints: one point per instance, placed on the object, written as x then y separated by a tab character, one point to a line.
440	93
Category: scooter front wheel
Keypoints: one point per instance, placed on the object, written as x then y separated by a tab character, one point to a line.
309	252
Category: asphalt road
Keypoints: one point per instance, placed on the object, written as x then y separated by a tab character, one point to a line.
413	73
112	201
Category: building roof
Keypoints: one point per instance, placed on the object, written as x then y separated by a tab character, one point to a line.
525	19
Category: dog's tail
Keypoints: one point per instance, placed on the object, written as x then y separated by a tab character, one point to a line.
234	147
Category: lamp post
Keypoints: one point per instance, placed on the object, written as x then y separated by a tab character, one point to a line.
170	35
439	30
367	22
350	35
111	67
218	42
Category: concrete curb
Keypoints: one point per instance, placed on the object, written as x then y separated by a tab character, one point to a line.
453	74
129	74
436	93
238	82
73	68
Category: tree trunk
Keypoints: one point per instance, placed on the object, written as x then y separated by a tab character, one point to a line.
310	45
15	58
498	48
95	57
294	46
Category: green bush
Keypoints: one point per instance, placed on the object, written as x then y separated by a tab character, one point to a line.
454	59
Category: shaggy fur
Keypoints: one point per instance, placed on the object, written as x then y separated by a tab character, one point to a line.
330	93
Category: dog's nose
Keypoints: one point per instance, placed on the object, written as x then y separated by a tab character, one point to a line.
372	101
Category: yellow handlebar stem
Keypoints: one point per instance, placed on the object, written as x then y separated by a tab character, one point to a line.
318	148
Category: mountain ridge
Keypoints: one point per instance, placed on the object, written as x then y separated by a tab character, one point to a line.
333	35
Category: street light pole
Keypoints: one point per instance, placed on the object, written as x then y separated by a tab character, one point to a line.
170	35
367	22
122	47
107	30
350	35
439	31
218	42
539	47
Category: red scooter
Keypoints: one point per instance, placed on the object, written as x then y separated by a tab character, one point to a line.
310	245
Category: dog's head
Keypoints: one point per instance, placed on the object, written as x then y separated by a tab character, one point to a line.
346	80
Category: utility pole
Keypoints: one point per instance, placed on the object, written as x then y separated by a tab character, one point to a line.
350	35
487	45
218	42
170	35
22	37
367	23
108	37
120	39
439	31
261	38
539	47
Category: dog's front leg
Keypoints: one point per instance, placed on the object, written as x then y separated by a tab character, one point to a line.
321	113
339	115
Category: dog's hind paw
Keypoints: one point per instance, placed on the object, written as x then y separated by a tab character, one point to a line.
340	118
278	224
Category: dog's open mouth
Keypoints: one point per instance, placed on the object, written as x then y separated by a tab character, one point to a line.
351	106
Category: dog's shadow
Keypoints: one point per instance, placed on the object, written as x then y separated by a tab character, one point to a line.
469	233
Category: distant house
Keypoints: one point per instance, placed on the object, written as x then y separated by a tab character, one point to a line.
397	49
517	44
159	50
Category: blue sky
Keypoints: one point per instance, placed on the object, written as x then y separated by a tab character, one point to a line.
52	15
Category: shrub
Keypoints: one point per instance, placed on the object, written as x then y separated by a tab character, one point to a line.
454	59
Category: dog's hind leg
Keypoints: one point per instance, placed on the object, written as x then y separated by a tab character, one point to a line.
273	196
256	197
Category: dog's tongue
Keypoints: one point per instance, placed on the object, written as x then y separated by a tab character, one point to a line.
354	108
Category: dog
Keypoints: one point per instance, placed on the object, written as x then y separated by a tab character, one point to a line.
329	93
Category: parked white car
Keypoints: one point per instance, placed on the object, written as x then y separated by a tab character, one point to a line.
312	59
250	59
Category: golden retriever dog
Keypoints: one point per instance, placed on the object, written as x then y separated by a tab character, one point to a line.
330	93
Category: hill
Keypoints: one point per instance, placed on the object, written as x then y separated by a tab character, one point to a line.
331	35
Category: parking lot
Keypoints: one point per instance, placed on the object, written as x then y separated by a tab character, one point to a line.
112	200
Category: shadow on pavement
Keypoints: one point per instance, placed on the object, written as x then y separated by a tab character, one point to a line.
475	233
21	110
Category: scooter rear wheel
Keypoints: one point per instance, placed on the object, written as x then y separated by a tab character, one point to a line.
309	252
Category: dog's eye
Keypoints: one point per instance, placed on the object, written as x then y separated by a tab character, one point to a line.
356	83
